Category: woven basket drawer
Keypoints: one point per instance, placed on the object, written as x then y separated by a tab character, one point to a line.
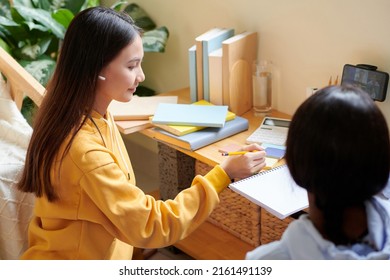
242	218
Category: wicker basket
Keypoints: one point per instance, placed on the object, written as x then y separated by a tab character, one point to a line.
243	218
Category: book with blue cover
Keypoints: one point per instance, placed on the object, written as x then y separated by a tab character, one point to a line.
209	45
204	137
192	73
199	59
188	114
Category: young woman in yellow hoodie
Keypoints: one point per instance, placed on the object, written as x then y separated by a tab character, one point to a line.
88	206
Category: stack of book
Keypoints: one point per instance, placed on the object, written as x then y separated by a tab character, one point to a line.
193	126
134	115
220	68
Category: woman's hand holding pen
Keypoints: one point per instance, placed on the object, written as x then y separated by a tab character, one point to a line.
244	165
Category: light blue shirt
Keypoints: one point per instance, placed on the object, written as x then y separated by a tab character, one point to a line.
302	241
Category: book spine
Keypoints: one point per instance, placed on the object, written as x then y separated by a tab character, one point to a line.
192	73
235	126
199	68
215	75
208	47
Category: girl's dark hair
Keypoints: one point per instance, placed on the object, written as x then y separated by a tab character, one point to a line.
94	38
338	149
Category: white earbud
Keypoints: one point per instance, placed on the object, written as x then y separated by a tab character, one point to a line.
102	78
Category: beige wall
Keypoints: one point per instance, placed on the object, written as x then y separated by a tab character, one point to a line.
307	40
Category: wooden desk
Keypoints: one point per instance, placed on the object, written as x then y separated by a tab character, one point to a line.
210	242
210	154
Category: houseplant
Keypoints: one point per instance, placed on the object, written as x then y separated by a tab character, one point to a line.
32	31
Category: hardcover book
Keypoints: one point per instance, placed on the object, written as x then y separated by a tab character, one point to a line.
199	59
239	53
187	114
127	127
192	73
215	77
180	130
138	108
209	45
204	137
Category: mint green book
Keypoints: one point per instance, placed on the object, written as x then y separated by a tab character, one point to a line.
188	114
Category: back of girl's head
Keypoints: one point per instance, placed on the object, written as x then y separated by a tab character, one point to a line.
338	148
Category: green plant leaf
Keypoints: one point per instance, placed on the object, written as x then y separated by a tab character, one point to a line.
41	17
5	8
32	25
26	3
63	17
155	40
5	46
117	6
41	69
13	32
140	17
33	51
75	6
42	4
7	22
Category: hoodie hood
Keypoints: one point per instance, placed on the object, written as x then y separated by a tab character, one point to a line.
305	242
107	131
302	241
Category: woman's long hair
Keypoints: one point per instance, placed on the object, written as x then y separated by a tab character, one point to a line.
94	37
338	149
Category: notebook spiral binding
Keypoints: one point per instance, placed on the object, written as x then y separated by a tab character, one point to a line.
261	173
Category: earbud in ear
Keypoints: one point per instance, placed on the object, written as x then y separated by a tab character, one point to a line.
102	78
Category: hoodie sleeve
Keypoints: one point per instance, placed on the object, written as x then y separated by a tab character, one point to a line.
108	198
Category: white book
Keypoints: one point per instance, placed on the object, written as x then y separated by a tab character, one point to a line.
139	107
274	190
215	77
199	59
210	45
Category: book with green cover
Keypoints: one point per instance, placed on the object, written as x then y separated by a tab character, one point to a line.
187	114
180	130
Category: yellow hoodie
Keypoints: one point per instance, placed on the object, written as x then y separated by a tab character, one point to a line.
101	213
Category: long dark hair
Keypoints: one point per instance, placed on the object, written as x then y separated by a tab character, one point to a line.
338	149
94	37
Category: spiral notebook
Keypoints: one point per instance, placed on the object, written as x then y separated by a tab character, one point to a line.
274	190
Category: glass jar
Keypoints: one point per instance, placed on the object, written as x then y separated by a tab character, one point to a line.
262	87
